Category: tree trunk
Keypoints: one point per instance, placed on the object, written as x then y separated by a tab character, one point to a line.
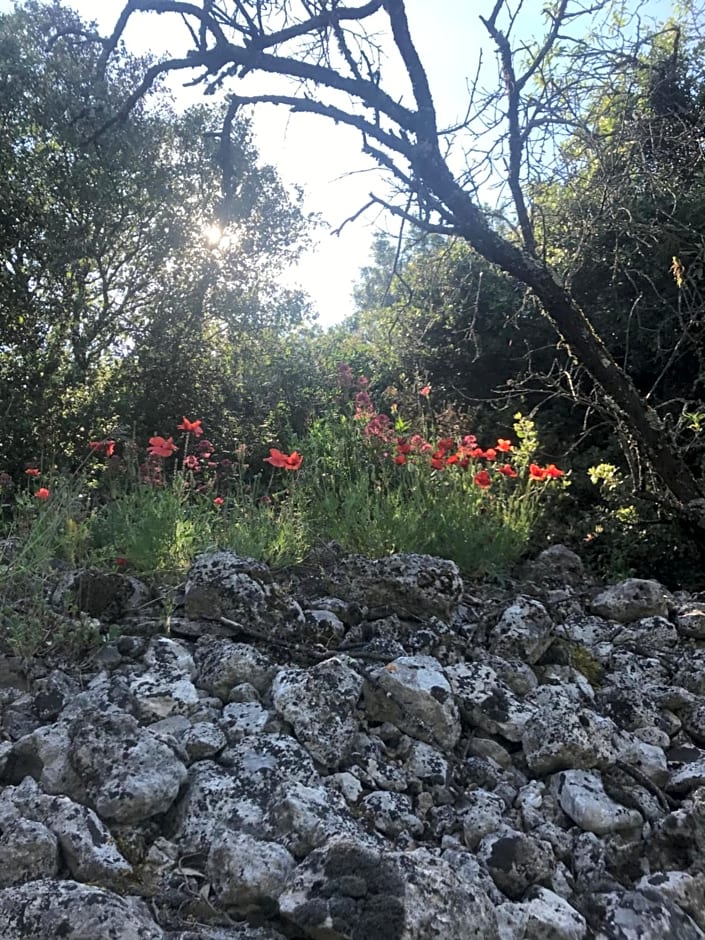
578	333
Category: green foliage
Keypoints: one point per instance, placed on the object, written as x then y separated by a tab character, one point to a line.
622	536
156	529
131	278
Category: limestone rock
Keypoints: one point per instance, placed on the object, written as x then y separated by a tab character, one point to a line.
560	736
544	916
524	631
413	693
320	705
129	775
631	600
516	860
486	702
49	908
223	584
246	872
343	891
582	797
222	664
640	915
406	584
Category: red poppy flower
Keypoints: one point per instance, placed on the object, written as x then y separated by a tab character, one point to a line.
403	447
191	427
445	444
285	461
490	453
552	471
503	445
161	447
106	447
536	472
32	471
482	479
400	459
438	462
121	562
191	462
42	493
218	501
477	452
425	391
507	470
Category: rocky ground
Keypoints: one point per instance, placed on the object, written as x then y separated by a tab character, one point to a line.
360	751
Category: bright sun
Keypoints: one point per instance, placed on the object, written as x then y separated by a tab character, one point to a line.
213	234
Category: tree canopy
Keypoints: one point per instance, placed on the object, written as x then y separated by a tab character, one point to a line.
128	281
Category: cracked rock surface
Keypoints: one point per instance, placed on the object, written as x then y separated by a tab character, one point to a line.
360	750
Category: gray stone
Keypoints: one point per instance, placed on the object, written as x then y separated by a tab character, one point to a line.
391	813
516	860
582	797
223	584
485	702
482	813
48	909
545	916
28	851
88	849
246	872
128	774
639	915
202	740
344	891
427	763
238	795
166	688
408	584
684	889
631	600
320	704
562	736
690	622
243	719
304	817
524	631
413	693
558	563
222	664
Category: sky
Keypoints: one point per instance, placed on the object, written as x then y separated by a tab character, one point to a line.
326	159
